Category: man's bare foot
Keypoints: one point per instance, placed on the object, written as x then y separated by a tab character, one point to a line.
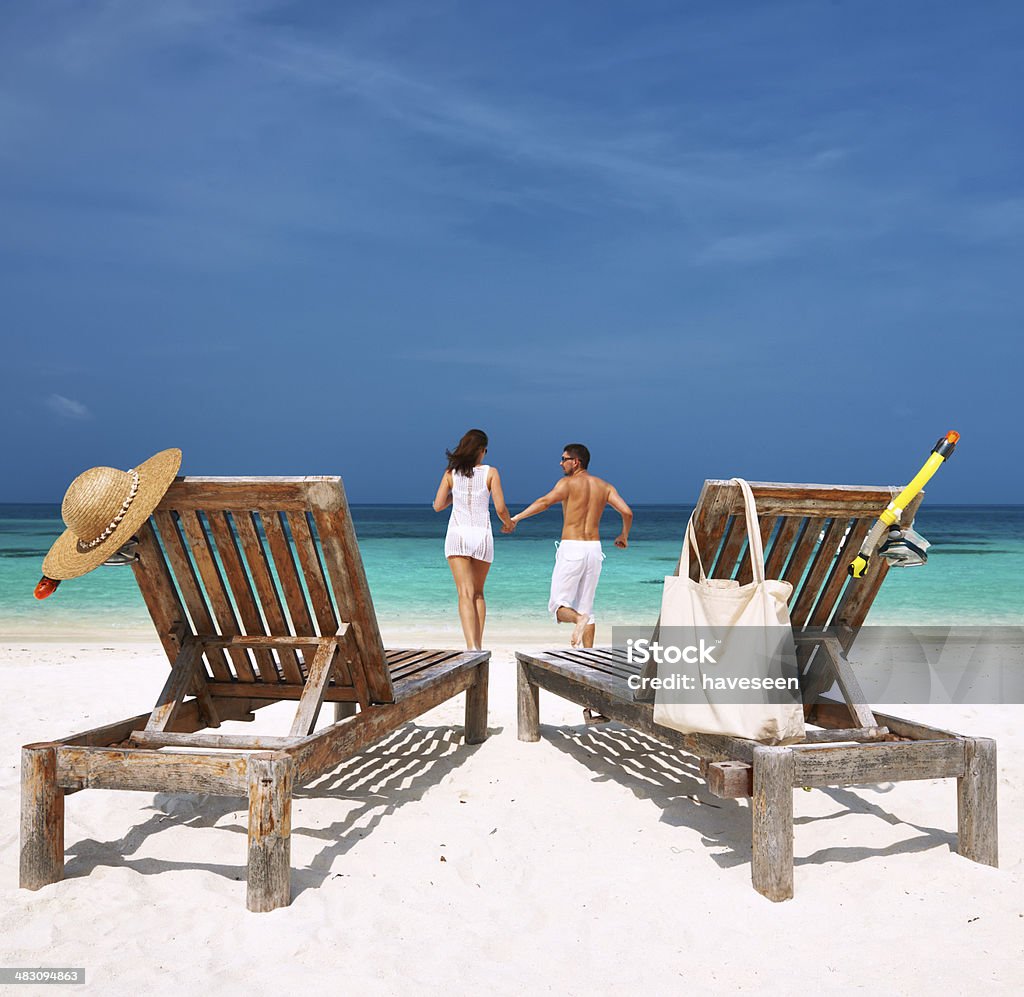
577	632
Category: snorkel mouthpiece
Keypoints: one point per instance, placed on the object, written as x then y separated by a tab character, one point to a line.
945	447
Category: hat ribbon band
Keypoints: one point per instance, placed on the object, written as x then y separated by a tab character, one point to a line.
115	522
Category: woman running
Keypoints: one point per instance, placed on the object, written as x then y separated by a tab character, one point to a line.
467	486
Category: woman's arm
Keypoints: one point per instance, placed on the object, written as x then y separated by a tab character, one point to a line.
494	483
443	498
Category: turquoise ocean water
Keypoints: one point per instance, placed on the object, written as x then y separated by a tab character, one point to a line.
975	572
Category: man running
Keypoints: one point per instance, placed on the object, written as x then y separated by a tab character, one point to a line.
578	560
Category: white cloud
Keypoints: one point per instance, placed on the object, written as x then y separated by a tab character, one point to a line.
67	408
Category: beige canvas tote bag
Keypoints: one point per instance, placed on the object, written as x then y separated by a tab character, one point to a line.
745	629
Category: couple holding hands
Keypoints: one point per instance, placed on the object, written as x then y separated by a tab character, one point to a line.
468	485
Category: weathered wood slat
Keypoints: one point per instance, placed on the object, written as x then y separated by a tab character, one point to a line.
288	575
588	659
733	544
422	659
244	640
803	549
848	684
845	734
270	599
792	499
198	492
152	771
884	762
188	585
205	741
320	599
158	591
241	589
312	572
782	548
345	567
823	558
907	728
839	576
277	691
396	657
352	676
744	573
710	528
216	592
316	684
180	680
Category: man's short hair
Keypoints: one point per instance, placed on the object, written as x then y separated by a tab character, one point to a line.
580	452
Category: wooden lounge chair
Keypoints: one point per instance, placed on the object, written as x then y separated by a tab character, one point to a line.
258	593
810	534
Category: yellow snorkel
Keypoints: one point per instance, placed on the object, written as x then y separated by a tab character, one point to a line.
890	516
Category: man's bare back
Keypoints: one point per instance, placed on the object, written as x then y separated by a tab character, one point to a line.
585	500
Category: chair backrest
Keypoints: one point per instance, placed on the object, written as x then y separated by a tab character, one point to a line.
274	557
810	534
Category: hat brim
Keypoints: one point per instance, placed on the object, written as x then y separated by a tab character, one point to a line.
69	559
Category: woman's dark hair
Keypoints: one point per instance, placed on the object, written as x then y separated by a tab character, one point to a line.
463	458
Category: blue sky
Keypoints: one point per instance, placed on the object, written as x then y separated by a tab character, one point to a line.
781	240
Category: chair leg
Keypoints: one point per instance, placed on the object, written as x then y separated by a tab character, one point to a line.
476	707
270	830
772	820
42	818
529	705
976	803
343	710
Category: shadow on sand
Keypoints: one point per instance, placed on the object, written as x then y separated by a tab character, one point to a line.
397	770
671	780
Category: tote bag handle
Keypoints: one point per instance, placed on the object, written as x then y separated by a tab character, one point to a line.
690	540
755	547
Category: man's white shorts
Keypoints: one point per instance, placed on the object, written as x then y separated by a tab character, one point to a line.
574	580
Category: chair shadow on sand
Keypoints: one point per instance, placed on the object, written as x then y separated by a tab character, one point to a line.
397	770
671	780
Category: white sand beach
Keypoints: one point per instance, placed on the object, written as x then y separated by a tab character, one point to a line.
591	862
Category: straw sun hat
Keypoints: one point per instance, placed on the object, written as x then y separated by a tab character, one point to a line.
103	508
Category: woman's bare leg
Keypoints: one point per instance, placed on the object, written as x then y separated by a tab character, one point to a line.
462	572
479	570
